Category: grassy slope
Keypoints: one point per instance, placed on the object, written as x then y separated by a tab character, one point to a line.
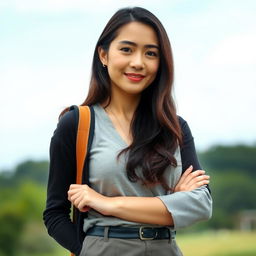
221	243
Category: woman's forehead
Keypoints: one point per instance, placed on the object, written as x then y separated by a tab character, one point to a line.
137	32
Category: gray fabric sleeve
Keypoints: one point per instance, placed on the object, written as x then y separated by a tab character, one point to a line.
188	207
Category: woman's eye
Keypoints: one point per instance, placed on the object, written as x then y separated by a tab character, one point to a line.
152	54
125	49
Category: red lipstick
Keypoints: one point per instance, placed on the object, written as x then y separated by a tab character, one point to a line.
134	77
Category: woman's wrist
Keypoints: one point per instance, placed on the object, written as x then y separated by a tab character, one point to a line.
113	206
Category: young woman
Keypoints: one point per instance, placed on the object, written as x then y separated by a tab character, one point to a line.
145	178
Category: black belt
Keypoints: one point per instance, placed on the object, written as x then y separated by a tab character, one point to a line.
143	232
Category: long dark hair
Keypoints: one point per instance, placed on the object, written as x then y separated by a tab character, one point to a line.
155	126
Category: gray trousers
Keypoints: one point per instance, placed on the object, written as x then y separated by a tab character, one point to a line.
104	246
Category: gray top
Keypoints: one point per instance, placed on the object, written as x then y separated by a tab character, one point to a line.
108	177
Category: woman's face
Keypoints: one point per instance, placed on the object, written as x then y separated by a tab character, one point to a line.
132	59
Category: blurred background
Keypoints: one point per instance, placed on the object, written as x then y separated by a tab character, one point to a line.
46	49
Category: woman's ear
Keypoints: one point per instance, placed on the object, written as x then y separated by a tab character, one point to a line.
103	56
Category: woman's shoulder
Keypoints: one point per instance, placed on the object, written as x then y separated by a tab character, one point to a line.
186	132
183	123
67	123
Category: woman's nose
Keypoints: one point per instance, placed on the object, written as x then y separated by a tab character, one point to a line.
137	62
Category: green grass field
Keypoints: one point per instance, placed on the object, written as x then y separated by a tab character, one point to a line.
221	243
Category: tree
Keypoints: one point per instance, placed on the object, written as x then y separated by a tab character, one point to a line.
226	158
32	170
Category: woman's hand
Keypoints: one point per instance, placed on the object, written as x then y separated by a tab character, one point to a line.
83	198
192	180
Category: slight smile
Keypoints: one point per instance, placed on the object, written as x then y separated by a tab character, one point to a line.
134	77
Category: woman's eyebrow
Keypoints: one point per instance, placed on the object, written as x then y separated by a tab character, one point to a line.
134	44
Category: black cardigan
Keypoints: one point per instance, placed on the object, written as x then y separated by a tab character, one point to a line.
62	173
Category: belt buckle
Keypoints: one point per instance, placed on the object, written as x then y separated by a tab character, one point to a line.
141	233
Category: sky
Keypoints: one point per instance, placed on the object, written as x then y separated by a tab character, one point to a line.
46	49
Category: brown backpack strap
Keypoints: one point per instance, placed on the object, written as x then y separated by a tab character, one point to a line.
82	140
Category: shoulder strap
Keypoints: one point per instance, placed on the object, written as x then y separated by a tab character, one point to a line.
82	140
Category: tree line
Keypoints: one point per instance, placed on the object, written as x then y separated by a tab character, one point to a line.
232	171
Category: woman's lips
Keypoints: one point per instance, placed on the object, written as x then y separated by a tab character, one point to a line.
134	77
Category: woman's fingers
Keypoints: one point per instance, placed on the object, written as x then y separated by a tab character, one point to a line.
79	200
186	173
73	197
73	186
72	194
79	195
192	176
192	180
199	181
77	192
199	184
184	176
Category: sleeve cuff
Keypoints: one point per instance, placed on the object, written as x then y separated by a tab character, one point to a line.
188	207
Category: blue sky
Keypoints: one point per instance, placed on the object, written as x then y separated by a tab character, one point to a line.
45	58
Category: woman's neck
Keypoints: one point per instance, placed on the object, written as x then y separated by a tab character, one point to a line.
121	111
123	105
